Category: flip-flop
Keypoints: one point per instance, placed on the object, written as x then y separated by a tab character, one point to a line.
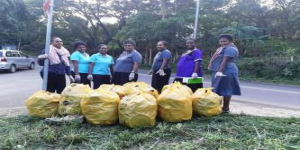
226	111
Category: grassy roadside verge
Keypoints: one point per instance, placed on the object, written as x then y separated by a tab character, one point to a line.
221	132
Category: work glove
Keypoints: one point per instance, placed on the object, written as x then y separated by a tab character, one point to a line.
150	72
72	80
131	76
90	77
44	56
161	72
77	78
194	75
219	74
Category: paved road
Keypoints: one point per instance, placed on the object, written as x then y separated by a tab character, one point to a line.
16	87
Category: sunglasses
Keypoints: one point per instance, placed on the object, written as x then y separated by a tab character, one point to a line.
58	41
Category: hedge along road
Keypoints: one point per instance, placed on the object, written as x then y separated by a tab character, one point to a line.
17	87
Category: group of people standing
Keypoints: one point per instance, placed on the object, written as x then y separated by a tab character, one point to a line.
101	68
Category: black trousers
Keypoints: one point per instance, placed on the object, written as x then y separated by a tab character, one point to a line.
100	79
120	78
158	82
83	77
193	87
56	82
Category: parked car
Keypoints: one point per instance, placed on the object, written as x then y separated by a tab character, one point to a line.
12	60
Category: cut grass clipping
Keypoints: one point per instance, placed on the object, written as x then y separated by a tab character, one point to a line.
221	132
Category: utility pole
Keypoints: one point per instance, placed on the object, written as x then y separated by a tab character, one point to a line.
196	19
47	45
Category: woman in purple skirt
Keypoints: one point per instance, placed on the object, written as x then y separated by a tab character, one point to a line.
225	79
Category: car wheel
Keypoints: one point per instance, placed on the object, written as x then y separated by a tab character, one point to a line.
12	69
32	65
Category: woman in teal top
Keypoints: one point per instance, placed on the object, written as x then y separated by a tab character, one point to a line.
101	67
80	60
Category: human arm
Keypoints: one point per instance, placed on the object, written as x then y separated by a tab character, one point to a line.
166	55
197	55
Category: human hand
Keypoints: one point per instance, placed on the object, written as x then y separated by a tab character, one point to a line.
44	56
131	76
219	74
90	77
77	78
194	75
161	72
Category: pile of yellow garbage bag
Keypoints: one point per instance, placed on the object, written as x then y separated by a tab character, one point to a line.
135	104
71	97
100	107
43	104
175	104
206	102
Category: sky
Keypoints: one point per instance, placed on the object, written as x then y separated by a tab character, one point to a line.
114	20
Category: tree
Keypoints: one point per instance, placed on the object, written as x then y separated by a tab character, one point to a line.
13	15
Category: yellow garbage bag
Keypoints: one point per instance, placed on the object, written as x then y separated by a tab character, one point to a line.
131	84
120	90
100	107
206	102
71	97
43	104
138	110
140	87
182	87
175	105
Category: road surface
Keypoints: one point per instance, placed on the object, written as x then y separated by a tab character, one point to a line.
16	87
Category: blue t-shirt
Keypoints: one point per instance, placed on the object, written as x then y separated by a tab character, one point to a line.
83	61
126	60
231	67
102	64
159	58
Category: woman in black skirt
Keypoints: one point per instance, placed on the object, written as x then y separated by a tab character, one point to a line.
126	68
101	67
161	69
225	79
80	60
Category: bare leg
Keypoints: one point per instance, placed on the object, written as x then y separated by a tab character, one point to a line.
226	103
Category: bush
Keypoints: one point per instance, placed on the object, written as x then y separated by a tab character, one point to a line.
269	68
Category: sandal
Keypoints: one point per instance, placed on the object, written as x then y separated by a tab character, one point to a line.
226	111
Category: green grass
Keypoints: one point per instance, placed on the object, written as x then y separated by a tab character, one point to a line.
221	132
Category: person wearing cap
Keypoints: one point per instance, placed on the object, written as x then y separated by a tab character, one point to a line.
127	64
189	67
161	69
101	67
80	60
